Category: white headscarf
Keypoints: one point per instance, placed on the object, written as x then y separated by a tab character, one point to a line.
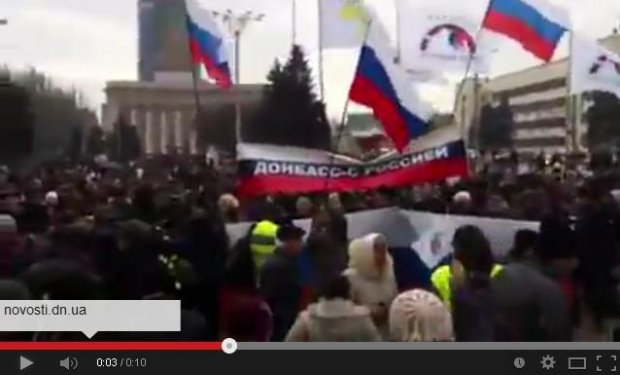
420	316
362	258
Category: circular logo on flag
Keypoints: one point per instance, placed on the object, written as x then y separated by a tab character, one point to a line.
436	245
455	36
604	60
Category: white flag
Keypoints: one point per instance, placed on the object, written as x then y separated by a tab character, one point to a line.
593	67
343	23
439	42
435	241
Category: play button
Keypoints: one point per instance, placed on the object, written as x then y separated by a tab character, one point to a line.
24	363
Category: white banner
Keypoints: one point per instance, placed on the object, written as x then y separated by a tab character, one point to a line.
593	67
439	42
430	235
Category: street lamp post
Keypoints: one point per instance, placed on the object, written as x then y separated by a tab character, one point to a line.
4	22
237	23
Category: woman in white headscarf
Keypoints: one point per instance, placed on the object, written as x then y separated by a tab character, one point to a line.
371	276
420	316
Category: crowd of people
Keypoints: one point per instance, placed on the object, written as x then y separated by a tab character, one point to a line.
158	231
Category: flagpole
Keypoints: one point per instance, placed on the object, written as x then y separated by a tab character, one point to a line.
294	23
470	60
194	70
195	82
237	24
398	33
345	111
320	45
472	53
192	66
459	93
238	129
570	101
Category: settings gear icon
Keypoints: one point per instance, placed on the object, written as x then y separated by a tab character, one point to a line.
547	362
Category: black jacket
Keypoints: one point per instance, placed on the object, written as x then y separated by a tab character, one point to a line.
280	285
529	306
520	304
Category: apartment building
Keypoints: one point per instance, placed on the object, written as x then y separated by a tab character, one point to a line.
546	117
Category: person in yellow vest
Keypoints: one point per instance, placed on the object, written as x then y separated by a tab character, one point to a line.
472	255
263	242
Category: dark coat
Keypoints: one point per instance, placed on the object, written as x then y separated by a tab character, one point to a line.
280	285
473	313
244	315
529	306
327	256
598	256
519	304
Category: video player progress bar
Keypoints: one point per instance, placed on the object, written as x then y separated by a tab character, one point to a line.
217	346
493	346
110	346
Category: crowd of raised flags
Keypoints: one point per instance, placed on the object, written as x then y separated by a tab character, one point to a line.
381	81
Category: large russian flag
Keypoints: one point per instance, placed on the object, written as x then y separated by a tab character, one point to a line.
207	44
383	86
535	24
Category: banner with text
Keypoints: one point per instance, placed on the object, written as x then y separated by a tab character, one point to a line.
268	169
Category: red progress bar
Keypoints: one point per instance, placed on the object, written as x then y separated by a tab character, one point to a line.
111	346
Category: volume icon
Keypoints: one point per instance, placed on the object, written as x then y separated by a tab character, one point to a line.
69	363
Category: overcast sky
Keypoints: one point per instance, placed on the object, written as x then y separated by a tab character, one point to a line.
84	43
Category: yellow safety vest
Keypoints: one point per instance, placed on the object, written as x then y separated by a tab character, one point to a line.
263	242
442	278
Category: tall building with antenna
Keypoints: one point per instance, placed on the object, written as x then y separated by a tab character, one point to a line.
162	38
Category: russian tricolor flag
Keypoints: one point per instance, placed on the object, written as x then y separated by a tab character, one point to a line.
383	86
207	44
536	24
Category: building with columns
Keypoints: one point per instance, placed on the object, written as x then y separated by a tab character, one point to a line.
163	110
161	104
